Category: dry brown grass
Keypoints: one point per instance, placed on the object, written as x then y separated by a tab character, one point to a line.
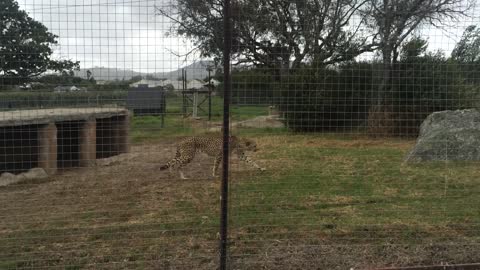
132	216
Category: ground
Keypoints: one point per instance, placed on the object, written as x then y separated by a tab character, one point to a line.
326	202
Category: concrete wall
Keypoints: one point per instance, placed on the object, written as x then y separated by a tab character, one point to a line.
62	144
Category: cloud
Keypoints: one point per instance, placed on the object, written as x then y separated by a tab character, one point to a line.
126	34
123	34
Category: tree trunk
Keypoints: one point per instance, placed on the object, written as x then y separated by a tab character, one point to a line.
381	114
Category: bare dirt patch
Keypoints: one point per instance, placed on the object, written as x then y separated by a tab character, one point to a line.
121	214
127	212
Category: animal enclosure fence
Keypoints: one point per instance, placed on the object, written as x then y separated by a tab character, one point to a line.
349	132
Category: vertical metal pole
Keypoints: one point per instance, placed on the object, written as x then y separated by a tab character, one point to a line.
209	96
195	103
226	135
164	108
184	105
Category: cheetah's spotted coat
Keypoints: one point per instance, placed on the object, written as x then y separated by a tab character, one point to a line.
212	146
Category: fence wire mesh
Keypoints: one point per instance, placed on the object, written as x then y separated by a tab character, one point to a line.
355	134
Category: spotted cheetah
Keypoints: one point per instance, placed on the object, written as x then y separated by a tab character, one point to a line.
212	146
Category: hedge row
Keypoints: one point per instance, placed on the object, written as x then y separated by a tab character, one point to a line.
33	99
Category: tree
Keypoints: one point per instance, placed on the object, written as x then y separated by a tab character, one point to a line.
25	46
424	83
152	77
467	54
279	35
89	74
467	50
394	21
415	47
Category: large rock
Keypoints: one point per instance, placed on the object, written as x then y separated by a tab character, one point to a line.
448	135
33	174
7	179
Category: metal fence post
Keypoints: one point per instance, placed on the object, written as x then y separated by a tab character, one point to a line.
226	137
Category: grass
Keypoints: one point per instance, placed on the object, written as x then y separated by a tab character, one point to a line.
149	128
238	113
322	190
345	188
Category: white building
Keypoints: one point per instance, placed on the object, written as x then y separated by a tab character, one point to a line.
72	88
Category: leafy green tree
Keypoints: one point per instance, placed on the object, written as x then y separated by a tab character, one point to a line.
413	48
467	54
25	46
65	79
89	74
467	49
393	22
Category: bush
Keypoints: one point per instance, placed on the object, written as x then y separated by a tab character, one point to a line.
32	100
251	87
422	85
327	99
341	99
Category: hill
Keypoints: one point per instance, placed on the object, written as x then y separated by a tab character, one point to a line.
196	70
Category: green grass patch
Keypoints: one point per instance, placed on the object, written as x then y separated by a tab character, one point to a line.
150	128
317	183
238	113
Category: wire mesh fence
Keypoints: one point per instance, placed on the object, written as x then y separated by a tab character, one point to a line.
352	136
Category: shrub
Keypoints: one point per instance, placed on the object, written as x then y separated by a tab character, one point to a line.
327	99
251	87
422	85
26	100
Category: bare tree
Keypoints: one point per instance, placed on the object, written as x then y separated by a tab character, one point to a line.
277	34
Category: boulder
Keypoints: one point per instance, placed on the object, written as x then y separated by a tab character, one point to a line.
36	173
448	135
32	174
7	179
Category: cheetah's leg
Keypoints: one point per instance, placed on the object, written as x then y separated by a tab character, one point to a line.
184	157
182	164
216	164
182	176
243	157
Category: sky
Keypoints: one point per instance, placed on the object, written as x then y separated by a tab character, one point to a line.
123	34
127	34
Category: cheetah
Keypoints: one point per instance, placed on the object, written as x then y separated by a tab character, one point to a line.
212	146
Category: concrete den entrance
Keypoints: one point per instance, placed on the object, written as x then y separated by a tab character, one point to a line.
55	139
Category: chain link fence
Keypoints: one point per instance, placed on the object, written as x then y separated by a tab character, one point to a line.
349	132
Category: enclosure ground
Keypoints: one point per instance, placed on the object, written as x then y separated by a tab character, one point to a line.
325	202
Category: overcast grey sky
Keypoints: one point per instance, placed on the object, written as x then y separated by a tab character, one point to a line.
123	34
126	34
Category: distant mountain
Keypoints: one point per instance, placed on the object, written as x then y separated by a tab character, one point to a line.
197	70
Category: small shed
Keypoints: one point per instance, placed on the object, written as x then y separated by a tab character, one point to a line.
144	100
